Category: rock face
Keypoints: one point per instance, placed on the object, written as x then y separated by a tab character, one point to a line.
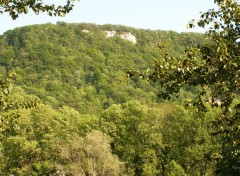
86	31
110	33
125	35
128	36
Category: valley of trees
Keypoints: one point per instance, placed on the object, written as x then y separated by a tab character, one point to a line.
74	102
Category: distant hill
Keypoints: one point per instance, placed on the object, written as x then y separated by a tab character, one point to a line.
83	65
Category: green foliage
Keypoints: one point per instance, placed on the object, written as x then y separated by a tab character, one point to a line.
187	141
63	65
213	66
80	78
15	8
133	129
228	156
9	105
33	146
91	156
174	169
166	140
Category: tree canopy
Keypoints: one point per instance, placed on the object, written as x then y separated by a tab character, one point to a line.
64	66
214	66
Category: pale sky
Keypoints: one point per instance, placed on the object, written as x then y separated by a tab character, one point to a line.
145	14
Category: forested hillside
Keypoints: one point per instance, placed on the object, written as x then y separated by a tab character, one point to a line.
90	118
79	66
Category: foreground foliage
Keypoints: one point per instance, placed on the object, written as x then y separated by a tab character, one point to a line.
15	8
145	139
214	68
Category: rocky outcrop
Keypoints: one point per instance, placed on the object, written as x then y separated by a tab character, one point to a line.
124	35
86	31
110	33
128	36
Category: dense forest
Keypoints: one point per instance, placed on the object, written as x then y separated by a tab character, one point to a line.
90	118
